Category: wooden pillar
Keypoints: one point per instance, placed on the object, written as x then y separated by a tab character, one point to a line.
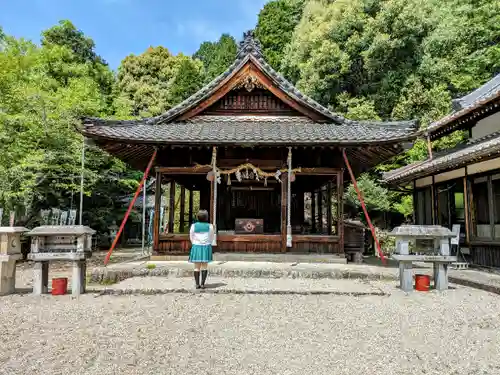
429	147
205	198
451	201
284	180
228	217
320	210
182	217
329	207
171	207
211	209
434	203
491	203
313	212
472	209
156	219
414	201
466	210
300	208
340	209
190	209
214	199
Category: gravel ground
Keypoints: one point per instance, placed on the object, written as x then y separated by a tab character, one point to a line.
455	332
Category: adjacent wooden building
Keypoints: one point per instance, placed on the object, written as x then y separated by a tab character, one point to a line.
462	185
264	159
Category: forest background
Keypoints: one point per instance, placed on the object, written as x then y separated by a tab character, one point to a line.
365	59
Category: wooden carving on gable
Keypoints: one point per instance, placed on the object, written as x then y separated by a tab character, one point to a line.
250	99
249	82
249	95
253	87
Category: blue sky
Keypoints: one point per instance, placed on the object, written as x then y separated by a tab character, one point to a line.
122	27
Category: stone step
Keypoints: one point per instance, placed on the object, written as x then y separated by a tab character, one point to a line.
252	257
217	285
271	270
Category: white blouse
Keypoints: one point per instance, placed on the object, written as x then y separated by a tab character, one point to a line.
204	238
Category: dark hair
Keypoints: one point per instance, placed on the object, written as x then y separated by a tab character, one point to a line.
202	216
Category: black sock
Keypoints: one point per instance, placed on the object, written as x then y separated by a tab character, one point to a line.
204	274
197	277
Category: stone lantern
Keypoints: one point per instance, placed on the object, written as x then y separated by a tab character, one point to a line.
437	252
51	243
10	253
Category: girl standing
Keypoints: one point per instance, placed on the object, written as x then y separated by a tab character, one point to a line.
201	235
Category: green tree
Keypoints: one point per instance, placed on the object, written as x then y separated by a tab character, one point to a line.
395	59
80	53
40	149
275	25
357	108
375	196
385	49
217	56
66	34
156	80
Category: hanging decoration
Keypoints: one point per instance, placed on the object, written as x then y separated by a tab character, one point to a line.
210	176
238	175
245	171
277	175
256	174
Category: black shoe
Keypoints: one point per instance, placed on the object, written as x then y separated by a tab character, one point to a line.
197	279
204	274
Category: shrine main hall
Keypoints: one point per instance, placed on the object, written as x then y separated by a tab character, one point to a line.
269	163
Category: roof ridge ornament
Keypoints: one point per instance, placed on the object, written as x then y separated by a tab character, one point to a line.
250	45
249	82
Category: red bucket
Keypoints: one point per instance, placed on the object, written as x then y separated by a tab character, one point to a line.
422	283
59	286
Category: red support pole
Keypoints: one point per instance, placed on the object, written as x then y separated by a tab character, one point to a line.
144	177
362	201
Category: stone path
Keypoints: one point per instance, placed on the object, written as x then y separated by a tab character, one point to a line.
252	269
263	257
162	285
489	281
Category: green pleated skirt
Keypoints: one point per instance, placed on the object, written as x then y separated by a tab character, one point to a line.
200	254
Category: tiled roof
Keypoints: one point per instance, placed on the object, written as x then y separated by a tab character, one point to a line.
457	157
250	130
490	88
165	128
469	103
249	49
395	173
